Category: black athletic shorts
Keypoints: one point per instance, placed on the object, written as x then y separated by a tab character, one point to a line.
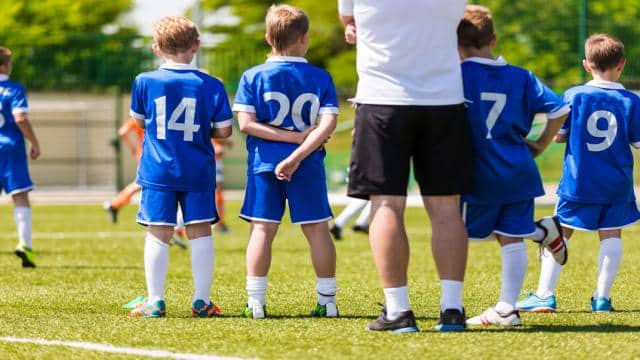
388	137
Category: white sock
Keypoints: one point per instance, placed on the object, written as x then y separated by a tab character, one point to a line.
549	274
156	265
22	217
327	289
353	207
257	290
608	263
202	262
451	295
363	219
397	301
514	268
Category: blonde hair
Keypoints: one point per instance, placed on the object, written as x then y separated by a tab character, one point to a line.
476	27
175	34
603	51
285	25
5	56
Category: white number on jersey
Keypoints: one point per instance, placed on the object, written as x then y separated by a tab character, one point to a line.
608	135
296	110
188	127
2	120
499	101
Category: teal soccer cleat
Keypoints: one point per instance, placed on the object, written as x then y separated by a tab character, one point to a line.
601	304
535	304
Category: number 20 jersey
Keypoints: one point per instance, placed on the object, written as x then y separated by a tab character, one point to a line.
598	162
180	107
502	101
288	93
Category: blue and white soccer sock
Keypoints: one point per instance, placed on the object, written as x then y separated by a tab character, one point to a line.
514	268
451	295
349	212
608	264
397	301
202	262
156	265
549	274
257	290
327	289
22	217
363	219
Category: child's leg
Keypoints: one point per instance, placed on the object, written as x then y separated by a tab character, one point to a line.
22	217
363	219
514	267
323	257
349	211
124	196
202	259
550	269
156	260
608	261
220	203
259	260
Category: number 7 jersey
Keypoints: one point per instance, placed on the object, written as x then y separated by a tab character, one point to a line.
598	162
180	107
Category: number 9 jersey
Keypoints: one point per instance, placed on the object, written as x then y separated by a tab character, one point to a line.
180	106
598	162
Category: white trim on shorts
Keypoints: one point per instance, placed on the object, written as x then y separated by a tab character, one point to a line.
312	221
201	221
527	235
20	191
147	223
603	228
250	218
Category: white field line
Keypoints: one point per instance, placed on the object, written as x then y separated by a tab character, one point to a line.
80	235
108	348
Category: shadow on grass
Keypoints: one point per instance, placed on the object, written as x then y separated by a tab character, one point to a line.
592	328
91	267
306	316
591	312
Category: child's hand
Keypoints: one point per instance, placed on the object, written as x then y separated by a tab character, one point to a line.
534	147
285	169
35	151
350	34
303	135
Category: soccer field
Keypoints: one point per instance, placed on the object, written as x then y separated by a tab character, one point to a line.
88	268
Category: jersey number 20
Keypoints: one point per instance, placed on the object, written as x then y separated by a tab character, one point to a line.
186	106
296	110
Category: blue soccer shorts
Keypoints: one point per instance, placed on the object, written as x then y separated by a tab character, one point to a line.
159	207
513	219
594	217
306	195
14	174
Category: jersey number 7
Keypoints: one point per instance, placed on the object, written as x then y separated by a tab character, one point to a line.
499	102
186	106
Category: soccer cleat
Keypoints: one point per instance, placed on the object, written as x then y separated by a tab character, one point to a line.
535	304
405	323
328	310
553	240
113	212
156	309
134	303
255	312
336	231
204	310
601	304
26	254
492	317
362	229
451	320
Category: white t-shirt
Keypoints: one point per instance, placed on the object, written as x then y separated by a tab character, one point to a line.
407	51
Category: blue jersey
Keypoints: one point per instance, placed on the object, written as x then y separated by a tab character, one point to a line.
598	162
502	102
180	106
13	100
288	93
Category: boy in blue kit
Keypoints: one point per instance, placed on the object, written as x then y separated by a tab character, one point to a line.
278	104
502	101
596	189
181	108
14	171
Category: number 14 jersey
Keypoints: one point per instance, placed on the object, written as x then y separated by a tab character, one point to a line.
598	162
180	106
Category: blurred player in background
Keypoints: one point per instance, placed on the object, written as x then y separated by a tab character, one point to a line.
14	171
354	207
219	146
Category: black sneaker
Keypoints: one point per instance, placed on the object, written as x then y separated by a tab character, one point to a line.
405	323
452	320
336	231
362	229
113	212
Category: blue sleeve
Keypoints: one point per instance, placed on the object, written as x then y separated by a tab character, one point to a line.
223	116
244	100
137	100
329	100
19	101
544	100
634	124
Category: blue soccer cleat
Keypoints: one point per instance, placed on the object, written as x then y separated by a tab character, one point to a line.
535	304
155	309
601	304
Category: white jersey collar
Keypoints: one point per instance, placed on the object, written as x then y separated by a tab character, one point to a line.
603	84
500	61
286	59
4	77
178	66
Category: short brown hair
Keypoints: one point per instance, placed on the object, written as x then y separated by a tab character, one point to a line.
175	34
5	56
476	27
603	51
285	25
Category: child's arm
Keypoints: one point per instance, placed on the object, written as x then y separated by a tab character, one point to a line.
249	126
560	138
222	133
25	127
317	137
548	134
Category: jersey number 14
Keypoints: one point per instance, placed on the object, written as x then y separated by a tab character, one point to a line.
187	107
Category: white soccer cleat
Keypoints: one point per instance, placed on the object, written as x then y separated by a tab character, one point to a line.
332	310
553	240
492	317
255	311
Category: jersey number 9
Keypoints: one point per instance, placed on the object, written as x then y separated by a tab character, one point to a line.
607	135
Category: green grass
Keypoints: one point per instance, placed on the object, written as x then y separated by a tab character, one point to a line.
88	268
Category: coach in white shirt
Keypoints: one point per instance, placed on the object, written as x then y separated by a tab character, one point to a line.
410	106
